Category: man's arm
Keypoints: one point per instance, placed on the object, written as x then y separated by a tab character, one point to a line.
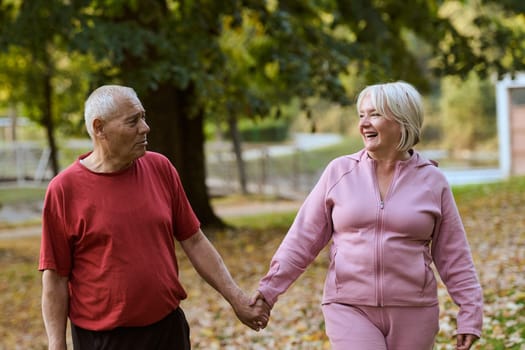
55	301
209	264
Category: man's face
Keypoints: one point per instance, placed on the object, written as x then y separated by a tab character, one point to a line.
125	133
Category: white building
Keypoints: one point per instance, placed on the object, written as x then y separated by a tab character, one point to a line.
510	101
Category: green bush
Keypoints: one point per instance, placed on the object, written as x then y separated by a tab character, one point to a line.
268	131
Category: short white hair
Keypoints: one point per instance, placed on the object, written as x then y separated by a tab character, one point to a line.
102	103
405	105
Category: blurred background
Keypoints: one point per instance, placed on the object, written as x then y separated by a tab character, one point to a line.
250	99
239	93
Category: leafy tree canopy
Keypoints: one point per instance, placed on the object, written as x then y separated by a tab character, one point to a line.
193	57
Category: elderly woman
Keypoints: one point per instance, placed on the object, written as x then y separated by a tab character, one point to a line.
389	214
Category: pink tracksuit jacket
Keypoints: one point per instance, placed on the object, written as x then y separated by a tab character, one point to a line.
382	250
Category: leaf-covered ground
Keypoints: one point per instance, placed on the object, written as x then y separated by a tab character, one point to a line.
494	219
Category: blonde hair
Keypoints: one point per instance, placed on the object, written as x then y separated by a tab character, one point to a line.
404	104
102	103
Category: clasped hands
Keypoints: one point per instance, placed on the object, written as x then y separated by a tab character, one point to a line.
253	312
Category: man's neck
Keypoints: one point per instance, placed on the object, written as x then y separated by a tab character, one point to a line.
100	164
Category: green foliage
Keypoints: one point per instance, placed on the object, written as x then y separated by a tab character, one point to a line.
267	130
468	112
33	48
254	53
235	59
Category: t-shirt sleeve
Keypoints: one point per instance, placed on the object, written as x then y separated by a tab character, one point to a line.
55	248
185	221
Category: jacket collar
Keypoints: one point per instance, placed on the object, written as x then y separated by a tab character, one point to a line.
416	159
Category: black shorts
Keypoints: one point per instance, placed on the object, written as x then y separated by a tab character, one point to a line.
170	333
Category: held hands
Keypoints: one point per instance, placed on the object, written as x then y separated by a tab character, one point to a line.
254	312
257	300
465	341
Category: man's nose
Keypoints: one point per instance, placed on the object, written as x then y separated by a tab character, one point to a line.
145	127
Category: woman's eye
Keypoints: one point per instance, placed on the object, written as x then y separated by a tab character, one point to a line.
371	115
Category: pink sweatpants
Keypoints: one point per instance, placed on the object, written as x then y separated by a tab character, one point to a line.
381	328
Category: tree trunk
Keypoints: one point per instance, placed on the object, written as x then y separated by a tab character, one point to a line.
236	139
47	121
177	131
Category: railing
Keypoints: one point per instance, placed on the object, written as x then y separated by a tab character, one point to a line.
280	172
24	162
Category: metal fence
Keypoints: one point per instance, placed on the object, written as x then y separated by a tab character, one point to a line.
288	171
281	171
24	162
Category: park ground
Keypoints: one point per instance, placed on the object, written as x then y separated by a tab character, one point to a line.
493	217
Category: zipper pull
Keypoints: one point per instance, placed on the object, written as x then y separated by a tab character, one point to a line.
381	204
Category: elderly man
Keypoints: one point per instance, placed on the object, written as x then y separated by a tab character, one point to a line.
110	221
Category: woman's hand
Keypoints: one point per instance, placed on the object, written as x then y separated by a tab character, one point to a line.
465	341
253	314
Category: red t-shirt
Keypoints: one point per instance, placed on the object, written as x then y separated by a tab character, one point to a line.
113	235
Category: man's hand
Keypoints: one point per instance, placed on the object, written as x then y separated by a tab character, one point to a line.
465	341
255	315
211	267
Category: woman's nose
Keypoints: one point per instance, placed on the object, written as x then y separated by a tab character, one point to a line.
364	119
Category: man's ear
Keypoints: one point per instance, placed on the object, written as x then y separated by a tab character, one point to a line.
98	127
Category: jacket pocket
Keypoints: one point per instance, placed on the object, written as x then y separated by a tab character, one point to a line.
428	276
333	266
425	277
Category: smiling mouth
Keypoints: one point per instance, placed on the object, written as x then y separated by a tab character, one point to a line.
370	135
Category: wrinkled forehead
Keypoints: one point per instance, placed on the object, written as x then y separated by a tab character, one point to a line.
126	105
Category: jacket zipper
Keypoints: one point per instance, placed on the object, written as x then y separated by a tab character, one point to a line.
379	236
379	255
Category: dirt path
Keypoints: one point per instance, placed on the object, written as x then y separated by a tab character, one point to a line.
20	232
255	208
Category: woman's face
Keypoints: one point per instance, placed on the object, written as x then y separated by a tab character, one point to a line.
380	133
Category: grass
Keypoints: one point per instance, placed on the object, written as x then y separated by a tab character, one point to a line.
17	195
470	192
272	221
